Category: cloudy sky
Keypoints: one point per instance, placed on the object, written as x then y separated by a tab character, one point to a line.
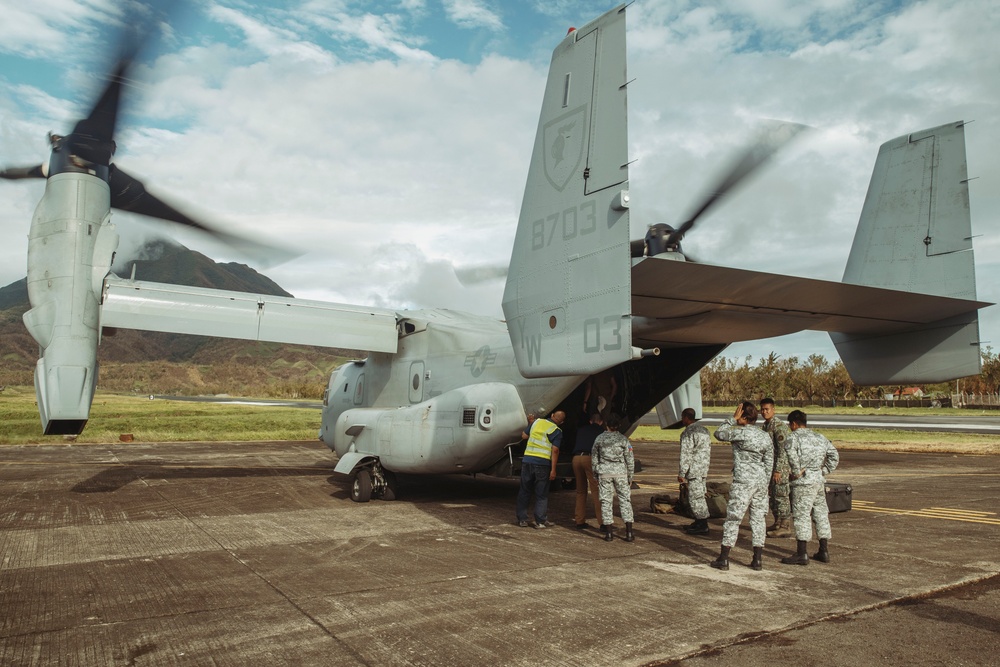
389	140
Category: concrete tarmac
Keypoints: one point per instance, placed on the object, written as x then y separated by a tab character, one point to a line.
253	553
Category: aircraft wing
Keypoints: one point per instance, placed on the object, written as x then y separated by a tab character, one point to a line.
678	303
133	304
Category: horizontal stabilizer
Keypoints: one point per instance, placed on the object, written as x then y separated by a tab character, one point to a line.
683	303
133	304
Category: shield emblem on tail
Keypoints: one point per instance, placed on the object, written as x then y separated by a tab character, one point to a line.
563	137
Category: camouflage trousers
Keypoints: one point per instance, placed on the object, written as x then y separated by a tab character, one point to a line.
607	488
741	496
781	504
809	502
696	497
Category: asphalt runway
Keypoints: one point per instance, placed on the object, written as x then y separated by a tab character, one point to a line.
252	553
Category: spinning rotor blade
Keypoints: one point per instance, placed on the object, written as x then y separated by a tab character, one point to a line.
128	193
775	137
93	137
15	173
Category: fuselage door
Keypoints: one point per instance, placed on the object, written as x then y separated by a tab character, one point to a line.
416	379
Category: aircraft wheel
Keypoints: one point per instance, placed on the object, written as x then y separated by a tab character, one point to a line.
361	487
391	485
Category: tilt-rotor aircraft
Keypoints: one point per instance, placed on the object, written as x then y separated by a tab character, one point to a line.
446	392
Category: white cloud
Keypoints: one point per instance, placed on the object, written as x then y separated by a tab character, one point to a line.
39	28
271	40
472	14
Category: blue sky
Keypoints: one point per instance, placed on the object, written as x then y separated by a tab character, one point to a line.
391	139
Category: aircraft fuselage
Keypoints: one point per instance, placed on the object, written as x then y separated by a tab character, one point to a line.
449	400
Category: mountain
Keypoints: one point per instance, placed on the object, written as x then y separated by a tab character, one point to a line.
162	261
161	363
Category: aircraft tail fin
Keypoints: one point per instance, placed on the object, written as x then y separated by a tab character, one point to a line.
568	295
915	235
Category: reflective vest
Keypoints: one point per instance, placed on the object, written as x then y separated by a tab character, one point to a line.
539	444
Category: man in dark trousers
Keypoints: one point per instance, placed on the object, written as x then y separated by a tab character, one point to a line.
538	468
583	470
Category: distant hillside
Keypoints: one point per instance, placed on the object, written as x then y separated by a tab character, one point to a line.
167	262
147	362
15	295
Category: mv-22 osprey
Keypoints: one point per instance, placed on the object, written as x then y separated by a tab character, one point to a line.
447	392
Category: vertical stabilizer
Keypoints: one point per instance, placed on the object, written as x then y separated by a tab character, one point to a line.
915	235
568	294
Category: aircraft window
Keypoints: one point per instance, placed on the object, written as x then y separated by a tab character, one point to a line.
552	322
469	417
416	381
345	386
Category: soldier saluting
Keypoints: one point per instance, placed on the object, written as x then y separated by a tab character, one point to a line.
753	460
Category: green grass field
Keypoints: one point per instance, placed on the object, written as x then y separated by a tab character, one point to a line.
158	421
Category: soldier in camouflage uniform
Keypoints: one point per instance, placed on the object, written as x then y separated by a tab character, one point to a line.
781	507
753	460
811	457
696	446
614	467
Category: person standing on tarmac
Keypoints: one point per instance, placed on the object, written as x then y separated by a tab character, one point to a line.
753	460
777	490
696	452
614	466
583	470
811	457
538	468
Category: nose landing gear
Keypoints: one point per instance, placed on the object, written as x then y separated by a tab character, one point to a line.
373	481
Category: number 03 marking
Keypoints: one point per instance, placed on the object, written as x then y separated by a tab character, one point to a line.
592	334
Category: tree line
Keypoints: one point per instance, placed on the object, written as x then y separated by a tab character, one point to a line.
816	378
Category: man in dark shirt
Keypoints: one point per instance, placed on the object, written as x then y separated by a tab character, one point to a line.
584	471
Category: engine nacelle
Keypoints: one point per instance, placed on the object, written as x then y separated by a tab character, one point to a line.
70	249
462	430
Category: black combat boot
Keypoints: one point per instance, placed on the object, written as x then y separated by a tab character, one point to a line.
823	555
699	527
799	557
609	532
722	562
758	555
629	535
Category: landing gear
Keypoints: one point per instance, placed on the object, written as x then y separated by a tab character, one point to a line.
361	486
373	481
389	485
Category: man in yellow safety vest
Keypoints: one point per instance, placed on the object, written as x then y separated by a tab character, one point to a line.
538	468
